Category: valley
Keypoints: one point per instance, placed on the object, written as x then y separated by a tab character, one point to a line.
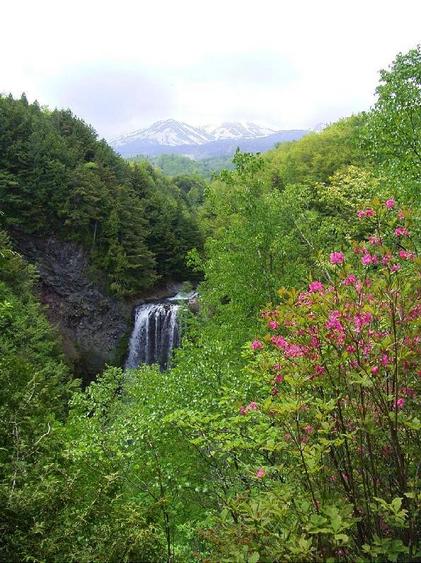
209	336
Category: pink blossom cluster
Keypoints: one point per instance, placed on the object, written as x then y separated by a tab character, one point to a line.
406	255
361	320
369	259
290	350
350	280
304	299
408	391
315	287
414	314
337	258
399	403
260	473
362	213
318	370
402	232
256	345
333	323
253	406
278	341
374	240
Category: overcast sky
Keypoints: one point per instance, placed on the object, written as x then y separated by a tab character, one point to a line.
121	65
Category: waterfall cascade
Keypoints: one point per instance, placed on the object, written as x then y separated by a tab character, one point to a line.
155	333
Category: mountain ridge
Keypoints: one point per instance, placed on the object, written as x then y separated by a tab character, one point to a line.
176	137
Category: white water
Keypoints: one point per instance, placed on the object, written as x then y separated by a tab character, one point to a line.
155	334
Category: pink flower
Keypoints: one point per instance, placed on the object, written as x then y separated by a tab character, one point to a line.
279	341
406	255
273	325
395	268
401	232
260	473
366	260
375	240
253	406
350	280
337	258
414	313
365	213
385	360
386	259
315	342
293	351
319	370
256	345
308	429
399	403
362	319
304	299
390	203
279	378
375	370
315	287
408	391
333	323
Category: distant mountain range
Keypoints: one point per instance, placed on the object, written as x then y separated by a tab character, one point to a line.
175	137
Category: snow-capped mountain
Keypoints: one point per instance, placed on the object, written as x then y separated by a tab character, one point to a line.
171	136
237	130
169	132
174	133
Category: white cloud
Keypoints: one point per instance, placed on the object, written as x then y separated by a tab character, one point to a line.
122	65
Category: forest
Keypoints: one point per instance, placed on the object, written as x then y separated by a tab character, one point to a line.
288	427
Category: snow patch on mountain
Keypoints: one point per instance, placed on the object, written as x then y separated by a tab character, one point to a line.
237	130
167	132
171	132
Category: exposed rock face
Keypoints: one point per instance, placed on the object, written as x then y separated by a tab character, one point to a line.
93	325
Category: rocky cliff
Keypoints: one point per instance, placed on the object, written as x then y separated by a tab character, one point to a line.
93	325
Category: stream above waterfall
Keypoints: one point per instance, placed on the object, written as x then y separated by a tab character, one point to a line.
156	332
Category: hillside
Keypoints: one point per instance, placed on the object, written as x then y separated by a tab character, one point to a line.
176	165
57	178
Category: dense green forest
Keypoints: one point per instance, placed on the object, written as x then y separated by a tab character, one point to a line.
288	428
178	165
56	178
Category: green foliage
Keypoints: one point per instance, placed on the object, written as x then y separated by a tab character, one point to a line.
57	178
34	388
177	165
392	136
317	156
320	463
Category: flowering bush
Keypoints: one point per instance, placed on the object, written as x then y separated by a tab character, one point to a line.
335	412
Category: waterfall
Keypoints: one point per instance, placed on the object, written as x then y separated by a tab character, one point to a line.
155	334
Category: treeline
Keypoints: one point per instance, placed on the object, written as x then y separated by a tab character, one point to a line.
57	178
178	165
